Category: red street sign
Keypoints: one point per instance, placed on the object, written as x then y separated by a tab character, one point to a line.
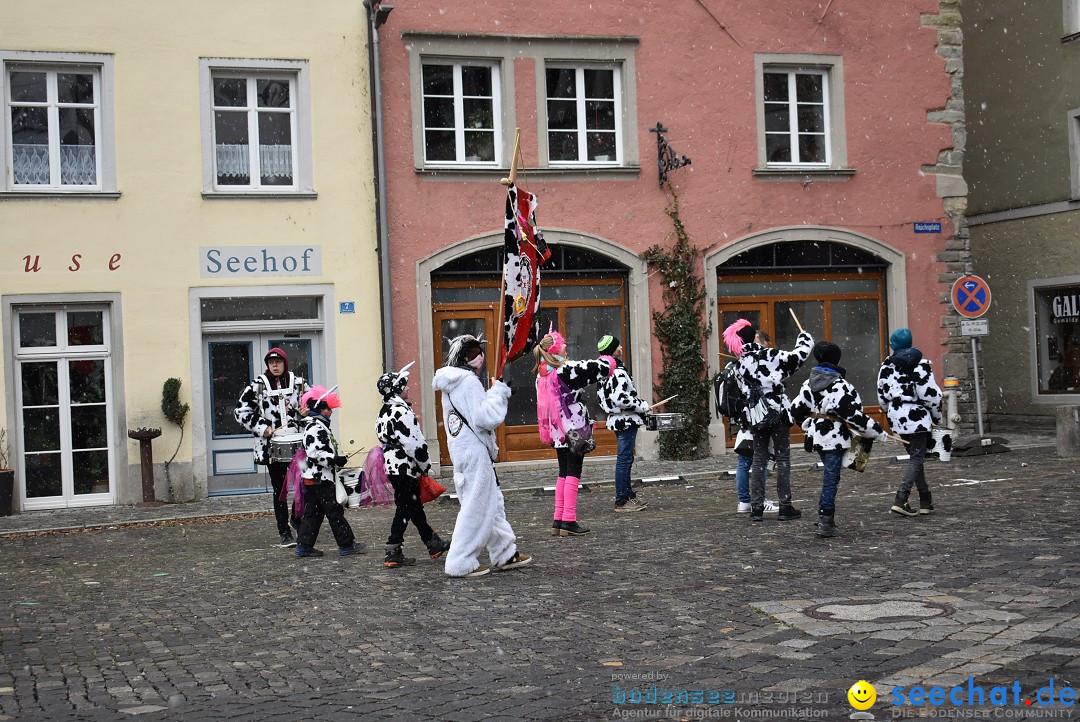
970	296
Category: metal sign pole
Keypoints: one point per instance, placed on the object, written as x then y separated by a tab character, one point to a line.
978	393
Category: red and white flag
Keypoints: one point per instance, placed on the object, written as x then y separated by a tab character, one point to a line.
525	251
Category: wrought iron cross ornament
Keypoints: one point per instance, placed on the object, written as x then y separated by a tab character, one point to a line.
666	157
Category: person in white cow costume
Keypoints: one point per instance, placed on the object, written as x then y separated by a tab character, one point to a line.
470	417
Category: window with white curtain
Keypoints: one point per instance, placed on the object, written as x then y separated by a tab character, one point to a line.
256	127
57	123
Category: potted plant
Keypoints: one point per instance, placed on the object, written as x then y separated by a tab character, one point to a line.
7	476
175	411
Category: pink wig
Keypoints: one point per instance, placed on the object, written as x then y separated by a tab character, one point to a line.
558	343
731	336
318	393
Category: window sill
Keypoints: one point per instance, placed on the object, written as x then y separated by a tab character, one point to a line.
1071	37
607	172
53	195
804	174
260	195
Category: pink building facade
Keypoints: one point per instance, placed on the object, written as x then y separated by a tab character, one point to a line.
819	135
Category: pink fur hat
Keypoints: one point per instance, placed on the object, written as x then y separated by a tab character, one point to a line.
317	394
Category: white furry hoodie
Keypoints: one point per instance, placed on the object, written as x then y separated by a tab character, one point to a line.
470	417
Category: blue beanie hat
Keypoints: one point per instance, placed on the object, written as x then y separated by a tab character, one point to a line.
900	339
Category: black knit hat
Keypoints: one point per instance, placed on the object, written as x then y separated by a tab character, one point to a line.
826	352
608	344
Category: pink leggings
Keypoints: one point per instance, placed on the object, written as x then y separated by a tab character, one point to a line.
566	491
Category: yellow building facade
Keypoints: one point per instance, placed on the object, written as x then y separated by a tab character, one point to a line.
184	187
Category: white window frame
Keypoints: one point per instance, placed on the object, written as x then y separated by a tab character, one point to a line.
579	96
1074	152
831	67
507	51
298	74
63	353
1071	13
1037	352
459	111
98	65
793	117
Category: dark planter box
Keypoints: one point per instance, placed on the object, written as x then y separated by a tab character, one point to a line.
7	491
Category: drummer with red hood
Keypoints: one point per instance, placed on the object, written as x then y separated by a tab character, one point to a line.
269	403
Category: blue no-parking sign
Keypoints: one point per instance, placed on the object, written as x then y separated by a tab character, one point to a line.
970	296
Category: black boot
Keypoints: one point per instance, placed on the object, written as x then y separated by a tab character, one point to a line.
436	547
757	512
395	557
572	528
788	512
926	502
900	506
825	525
556	528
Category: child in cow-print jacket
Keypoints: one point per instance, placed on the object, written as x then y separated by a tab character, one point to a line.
405	455
762	371
911	400
625	410
829	410
323	459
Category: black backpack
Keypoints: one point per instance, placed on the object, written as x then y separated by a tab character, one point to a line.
729	398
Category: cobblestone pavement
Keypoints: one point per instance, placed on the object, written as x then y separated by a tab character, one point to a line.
204	619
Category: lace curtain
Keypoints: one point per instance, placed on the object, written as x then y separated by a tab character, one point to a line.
275	161
78	164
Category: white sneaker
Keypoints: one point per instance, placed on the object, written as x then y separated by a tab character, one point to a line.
770	506
744	507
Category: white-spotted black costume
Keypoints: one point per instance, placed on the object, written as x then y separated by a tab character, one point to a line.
259	409
470	417
828	393
619	398
908	392
404	447
768	367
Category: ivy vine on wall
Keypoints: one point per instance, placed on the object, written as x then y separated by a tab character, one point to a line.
682	329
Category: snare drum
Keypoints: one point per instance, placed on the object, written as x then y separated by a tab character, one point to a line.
284	445
664	422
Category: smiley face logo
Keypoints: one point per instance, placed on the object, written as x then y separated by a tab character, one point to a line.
862	695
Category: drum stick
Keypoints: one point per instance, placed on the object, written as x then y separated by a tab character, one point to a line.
661	403
792	312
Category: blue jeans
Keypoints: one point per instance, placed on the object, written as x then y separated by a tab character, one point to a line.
742	477
627	439
833	461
